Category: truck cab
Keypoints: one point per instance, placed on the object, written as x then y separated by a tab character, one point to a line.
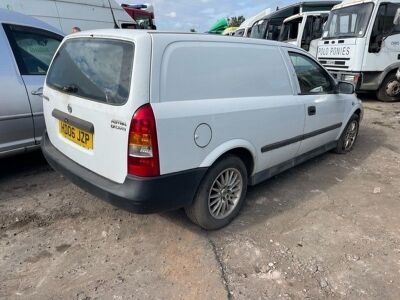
272	26
304	30
361	44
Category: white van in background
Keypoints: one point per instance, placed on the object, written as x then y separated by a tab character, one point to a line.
66	14
158	121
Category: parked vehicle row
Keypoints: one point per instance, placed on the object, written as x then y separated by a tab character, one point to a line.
358	42
157	121
300	24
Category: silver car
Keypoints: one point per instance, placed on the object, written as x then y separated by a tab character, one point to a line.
27	46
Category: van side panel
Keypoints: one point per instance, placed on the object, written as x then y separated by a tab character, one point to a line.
240	92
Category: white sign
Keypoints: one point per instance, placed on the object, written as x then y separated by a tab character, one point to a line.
335	51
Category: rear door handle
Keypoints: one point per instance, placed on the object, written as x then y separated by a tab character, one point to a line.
312	110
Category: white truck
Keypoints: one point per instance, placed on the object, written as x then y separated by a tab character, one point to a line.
304	30
244	29
298	24
361	44
65	14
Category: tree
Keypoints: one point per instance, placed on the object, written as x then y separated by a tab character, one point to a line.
192	30
236	21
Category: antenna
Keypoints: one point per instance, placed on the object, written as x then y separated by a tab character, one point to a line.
112	13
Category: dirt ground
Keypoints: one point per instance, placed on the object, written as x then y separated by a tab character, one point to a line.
329	228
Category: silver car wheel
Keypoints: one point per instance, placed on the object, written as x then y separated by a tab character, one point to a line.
351	135
225	193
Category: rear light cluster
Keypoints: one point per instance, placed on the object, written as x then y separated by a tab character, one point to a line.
143	159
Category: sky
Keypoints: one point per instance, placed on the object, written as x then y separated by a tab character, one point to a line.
182	15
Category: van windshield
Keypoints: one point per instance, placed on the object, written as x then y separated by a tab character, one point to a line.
351	21
95	69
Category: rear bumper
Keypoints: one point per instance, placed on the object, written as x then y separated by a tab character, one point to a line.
140	195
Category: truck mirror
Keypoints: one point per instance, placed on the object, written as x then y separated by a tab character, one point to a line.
396	20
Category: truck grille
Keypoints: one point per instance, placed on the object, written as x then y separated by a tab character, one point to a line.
334	63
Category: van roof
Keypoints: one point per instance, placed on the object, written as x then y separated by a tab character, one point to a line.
12	17
131	34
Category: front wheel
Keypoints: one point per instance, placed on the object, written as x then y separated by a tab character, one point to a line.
221	194
349	135
390	89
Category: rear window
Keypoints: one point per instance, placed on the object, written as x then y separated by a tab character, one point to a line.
95	69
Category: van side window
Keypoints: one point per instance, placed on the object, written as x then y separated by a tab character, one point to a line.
33	48
313	79
383	26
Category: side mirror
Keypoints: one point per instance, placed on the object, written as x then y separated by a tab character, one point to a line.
345	88
396	20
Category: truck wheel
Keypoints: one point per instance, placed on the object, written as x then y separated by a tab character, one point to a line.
220	195
390	89
349	136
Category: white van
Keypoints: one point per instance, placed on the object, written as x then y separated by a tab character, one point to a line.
154	121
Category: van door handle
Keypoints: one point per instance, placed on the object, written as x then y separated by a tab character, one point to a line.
38	92
312	110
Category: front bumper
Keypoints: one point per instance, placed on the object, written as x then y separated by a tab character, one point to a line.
137	194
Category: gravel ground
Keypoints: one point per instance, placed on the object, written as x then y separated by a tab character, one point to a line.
329	228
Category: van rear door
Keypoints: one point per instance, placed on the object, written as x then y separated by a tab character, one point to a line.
91	101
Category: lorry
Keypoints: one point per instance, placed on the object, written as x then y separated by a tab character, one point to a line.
66	14
361	44
304	30
244	29
299	24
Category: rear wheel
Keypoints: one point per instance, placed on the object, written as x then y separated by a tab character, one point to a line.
221	194
390	89
349	136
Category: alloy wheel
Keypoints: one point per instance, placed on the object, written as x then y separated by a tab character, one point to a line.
225	193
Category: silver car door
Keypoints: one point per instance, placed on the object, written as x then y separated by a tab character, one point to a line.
34	49
16	124
324	107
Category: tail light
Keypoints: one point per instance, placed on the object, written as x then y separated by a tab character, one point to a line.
143	159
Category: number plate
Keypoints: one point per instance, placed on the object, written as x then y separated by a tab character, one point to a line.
76	135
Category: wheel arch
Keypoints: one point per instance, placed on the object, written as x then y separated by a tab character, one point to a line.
388	70
241	148
356	109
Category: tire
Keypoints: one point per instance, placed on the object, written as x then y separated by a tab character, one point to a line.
349	132
390	89
208	199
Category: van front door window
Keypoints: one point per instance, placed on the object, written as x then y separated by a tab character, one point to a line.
312	78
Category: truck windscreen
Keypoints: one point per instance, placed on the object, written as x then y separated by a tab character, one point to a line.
351	21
